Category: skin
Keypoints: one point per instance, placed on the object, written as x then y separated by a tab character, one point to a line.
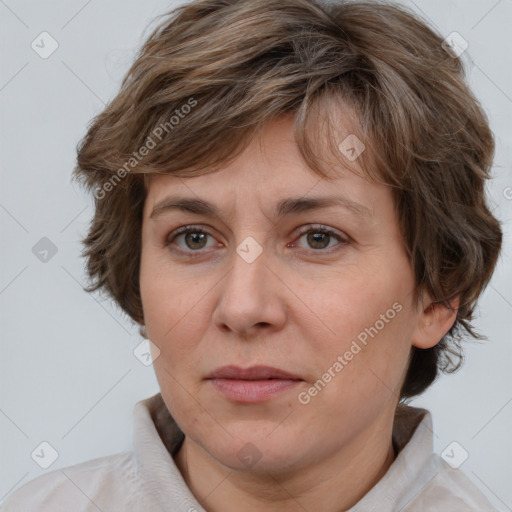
296	307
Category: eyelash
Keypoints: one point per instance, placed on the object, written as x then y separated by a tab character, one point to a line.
305	230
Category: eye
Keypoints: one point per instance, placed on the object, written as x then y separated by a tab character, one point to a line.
319	237
194	238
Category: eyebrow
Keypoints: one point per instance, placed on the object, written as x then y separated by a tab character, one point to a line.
285	207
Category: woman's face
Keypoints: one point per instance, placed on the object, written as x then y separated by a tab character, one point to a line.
259	285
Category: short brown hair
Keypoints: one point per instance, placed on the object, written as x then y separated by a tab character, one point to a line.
238	64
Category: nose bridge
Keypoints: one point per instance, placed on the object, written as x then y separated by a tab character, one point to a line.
248	277
249	295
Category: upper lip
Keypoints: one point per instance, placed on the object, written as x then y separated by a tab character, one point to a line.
251	373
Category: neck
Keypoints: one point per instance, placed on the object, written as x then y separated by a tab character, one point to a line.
336	483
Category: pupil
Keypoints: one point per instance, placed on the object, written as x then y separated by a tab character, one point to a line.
196	237
316	240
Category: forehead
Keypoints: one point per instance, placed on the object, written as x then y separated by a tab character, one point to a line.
273	155
272	173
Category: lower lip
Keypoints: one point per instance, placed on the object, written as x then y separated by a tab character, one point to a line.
250	391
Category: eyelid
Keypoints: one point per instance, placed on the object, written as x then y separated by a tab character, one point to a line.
342	238
321	227
189	228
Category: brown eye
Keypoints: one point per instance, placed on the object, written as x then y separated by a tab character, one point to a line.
192	238
195	240
319	238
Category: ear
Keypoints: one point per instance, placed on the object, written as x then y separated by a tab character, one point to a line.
434	321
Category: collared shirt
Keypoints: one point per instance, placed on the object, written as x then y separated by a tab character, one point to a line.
147	479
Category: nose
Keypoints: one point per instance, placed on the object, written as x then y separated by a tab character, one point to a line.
251	297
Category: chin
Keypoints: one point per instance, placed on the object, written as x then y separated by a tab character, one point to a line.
258	455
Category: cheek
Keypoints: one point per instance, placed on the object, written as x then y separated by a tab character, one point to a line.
352	301
174	315
167	296
369	322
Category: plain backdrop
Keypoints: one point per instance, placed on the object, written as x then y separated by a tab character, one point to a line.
69	376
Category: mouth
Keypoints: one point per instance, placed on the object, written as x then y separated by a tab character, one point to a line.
252	373
254	384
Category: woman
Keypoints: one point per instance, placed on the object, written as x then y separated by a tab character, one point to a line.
290	203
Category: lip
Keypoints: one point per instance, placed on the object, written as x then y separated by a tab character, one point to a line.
252	385
251	373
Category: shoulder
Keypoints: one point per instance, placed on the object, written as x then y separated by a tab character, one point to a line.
96	484
450	489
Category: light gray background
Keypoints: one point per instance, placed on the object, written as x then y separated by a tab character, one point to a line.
67	369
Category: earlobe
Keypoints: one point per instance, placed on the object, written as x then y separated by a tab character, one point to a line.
434	322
